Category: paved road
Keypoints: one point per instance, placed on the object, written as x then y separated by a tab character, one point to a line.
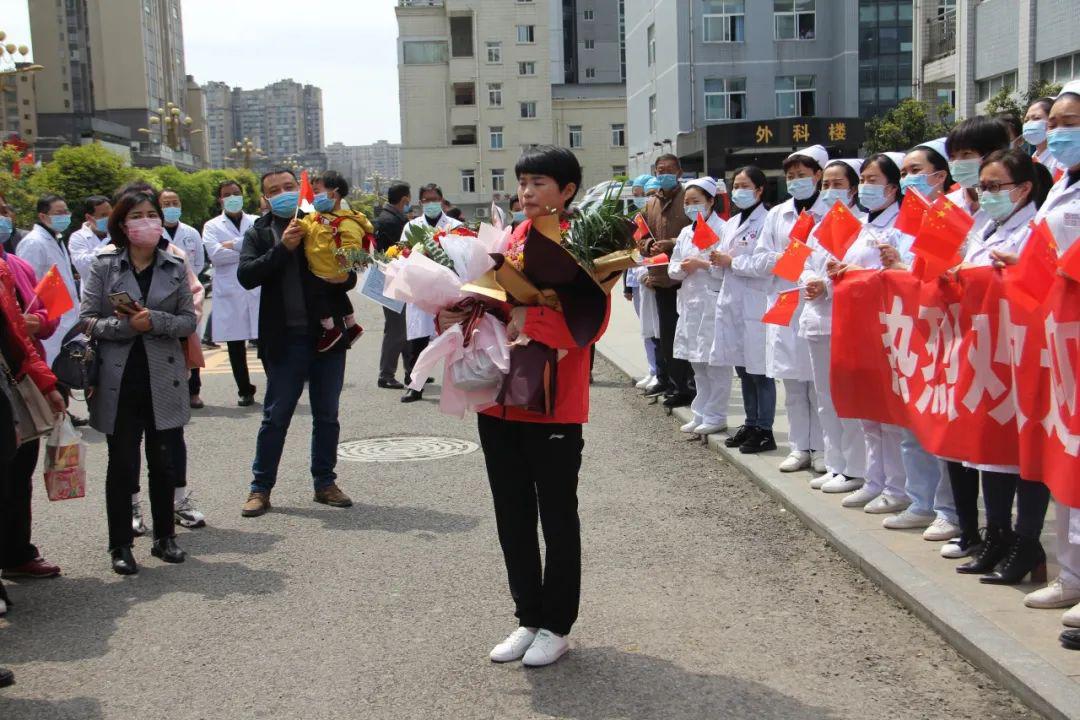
701	599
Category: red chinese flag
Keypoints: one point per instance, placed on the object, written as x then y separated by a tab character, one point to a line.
838	230
704	236
912	211
53	294
928	268
801	229
642	230
791	263
1058	174
1028	282
660	259
942	232
783	309
306	193
1070	262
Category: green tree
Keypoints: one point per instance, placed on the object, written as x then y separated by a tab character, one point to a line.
16	190
77	172
1008	100
905	126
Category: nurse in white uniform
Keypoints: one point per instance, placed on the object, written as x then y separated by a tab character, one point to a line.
1035	134
42	248
697	310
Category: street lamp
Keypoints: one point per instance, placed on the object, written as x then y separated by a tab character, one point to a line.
246	152
9	65
171	124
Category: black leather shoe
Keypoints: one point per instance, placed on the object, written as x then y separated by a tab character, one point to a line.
429	381
678	400
739	437
391	384
1023	556
168	550
1070	639
77	421
123	562
995	542
761	441
7	678
412	396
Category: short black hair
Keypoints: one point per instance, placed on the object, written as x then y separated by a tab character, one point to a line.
431	187
979	134
275	171
91	203
226	183
1022	168
454	212
174	191
804	160
133	186
753	173
887	167
1044	102
45	202
669	157
558	163
333	180
514	200
397	191
849	172
124	204
1011	123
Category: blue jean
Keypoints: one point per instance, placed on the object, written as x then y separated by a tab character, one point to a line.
927	480
759	399
297	363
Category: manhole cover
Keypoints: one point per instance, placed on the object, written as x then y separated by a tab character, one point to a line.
404	449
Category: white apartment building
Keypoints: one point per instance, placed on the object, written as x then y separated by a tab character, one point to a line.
482	79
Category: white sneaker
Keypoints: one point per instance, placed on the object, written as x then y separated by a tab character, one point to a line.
1055	595
690	427
820	480
711	429
817	462
858	499
138	527
652	386
514	646
1071	618
957	548
886	505
187	515
908	520
797	460
941	529
545	649
644	382
842	484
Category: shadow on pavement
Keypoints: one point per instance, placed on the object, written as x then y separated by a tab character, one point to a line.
389	518
75	618
226	411
33	709
223	541
607	684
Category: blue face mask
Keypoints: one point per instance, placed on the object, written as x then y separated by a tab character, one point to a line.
407	209
917	182
743	198
432	209
171	215
1064	145
998	205
640	202
872	197
60	223
102	225
830	196
1035	131
965	172
692	211
667	182
233	204
519	216
322	203
5	225
284	204
801	188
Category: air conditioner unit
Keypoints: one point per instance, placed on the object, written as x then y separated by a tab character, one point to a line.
481	212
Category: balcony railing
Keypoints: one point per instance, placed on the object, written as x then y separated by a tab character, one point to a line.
941	36
421	3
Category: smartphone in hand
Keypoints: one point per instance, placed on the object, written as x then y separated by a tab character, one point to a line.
123	301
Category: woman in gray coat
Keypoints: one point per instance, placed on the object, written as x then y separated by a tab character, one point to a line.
138	306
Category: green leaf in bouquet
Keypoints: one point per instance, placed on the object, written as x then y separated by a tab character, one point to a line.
601	230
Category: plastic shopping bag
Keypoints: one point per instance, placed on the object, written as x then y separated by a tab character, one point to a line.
65	462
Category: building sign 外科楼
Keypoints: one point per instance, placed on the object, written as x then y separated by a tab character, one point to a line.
788	132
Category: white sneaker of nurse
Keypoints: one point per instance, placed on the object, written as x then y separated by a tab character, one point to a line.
644	382
842	484
858	499
690	427
886	505
820	480
908	520
514	646
711	428
1071	618
817	462
1055	595
941	529
797	460
545	649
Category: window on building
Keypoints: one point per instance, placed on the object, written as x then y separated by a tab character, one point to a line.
575	136
461	36
463	135
425	52
652	114
618	135
590	73
990	87
794	19
468	181
618	170
725	98
528	110
795	96
527	68
495	134
464	94
526	34
724	20
1060	69
650	42
525	2
494	52
588	15
498	181
495	94
590	44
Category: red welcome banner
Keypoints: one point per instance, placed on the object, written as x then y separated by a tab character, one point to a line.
974	376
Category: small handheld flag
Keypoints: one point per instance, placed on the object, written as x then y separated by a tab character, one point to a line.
53	294
1028	282
912	211
704	236
1070	262
783	309
838	230
791	263
803	225
642	230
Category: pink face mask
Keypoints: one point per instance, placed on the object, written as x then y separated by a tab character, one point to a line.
144	232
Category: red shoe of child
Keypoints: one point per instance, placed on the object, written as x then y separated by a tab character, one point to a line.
329	339
352	334
39	567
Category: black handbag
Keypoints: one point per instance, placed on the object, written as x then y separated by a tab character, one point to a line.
76	365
